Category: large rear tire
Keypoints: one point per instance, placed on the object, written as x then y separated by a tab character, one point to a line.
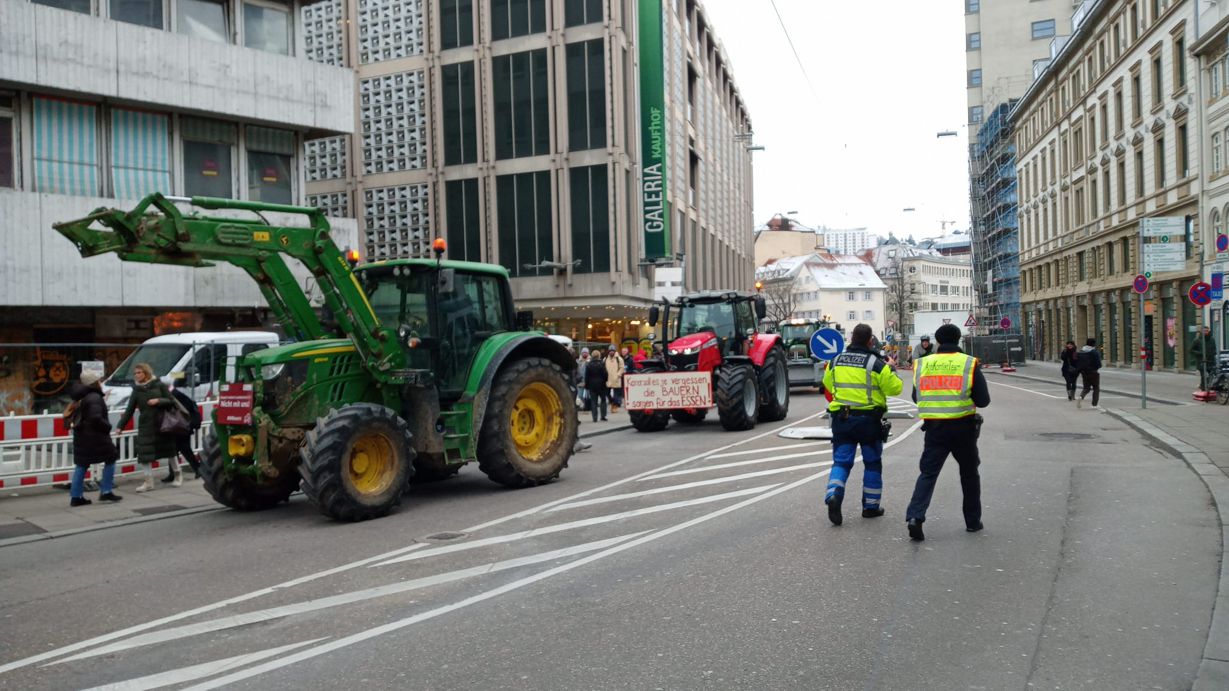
774	387
357	462
738	402
649	420
693	418
237	491
530	427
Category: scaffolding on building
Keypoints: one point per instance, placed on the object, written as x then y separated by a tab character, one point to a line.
996	238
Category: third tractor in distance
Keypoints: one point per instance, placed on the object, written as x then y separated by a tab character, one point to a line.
804	368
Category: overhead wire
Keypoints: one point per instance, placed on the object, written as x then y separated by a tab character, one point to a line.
797	58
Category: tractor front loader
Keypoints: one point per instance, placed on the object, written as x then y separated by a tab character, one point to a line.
417	367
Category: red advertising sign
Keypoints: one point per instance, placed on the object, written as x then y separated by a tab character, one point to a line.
668	390
235	403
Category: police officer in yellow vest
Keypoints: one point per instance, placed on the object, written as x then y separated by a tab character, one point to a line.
948	388
858	383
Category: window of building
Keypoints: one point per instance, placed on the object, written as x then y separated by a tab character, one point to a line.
1105	123
868	315
851	315
1216	79
1179	64
66	147
1092	196
142	12
590	219
972	41
1158	81
1134	12
266	26
511	18
1119	123
523	222
208	155
1105	190
851	296
205	19
8	135
586	65
464	224
578	12
975	114
1158	156
1216	152
974	78
1183	168
140	153
693	177
866	295
1043	29
82	6
456	23
270	156
522	114
1137	98
972	6
1139	173
460	138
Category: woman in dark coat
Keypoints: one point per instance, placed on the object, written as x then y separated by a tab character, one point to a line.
183	443
87	415
595	382
149	396
1070	371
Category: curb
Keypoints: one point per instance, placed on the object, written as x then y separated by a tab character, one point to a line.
1117	392
37	537
1214	668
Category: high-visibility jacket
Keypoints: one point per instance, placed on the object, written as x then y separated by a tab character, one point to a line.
857	378
944	385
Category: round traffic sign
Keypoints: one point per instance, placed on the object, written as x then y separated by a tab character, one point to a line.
1005	323
826	344
1200	294
1140	284
1222	243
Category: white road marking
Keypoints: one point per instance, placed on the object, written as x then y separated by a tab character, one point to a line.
201	671
689	485
495	592
771	448
632	478
1017	388
297	608
735	464
597	520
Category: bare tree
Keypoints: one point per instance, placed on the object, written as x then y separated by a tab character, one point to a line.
900	292
781	299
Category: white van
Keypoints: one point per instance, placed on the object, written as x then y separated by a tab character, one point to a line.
206	358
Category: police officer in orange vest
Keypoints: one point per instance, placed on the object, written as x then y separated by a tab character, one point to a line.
948	387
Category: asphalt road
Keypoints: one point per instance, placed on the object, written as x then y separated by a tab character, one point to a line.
687	559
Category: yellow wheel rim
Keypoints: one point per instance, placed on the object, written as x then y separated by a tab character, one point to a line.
537	421
373	464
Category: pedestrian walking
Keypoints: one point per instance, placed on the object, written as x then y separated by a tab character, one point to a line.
1070	369
595	383
149	397
87	416
586	400
183	442
1088	362
857	386
948	387
1203	354
923	348
614	379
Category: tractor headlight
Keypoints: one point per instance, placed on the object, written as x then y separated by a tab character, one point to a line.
685	351
273	371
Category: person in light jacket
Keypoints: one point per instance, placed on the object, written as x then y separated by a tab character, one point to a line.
614	379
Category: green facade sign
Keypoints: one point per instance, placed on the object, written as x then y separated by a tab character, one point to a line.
655	212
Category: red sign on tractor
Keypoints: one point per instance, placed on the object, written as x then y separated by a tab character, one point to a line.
235	403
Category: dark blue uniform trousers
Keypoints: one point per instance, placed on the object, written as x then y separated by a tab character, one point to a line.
847	436
958	438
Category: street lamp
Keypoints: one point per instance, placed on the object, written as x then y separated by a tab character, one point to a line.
945	133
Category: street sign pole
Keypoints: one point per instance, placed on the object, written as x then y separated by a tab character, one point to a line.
1143	360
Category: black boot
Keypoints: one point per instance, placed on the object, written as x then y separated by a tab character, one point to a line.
872	513
915	530
834	508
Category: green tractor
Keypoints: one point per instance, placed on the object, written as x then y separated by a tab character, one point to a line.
804	368
415	368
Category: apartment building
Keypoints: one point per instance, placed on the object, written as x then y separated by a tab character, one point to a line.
920	278
846	240
1107	136
840	287
1211	49
513	128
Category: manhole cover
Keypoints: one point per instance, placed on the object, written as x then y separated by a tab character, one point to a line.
1066	436
444	537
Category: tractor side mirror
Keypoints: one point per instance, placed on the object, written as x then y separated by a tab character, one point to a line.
447	277
761	307
524	320
654	315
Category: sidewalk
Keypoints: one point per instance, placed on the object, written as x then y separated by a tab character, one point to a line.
42	513
1171	388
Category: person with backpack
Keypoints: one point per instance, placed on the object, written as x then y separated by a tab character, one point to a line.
183	442
1088	362
1070	370
87	416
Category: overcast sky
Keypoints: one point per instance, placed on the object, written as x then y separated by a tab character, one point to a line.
859	146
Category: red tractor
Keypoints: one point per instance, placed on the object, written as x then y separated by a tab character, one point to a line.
715	334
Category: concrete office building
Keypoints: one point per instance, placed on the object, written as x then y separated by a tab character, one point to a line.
513	129
846	240
102	103
1107	136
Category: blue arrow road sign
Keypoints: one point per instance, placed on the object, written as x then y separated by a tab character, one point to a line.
826	344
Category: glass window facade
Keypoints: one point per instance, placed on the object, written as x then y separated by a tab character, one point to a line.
586	65
579	12
456	23
590	218
522	104
266	28
460	140
202	19
512	18
524	222
464	224
142	12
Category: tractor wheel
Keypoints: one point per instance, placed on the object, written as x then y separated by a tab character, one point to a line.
774	387
649	420
738	402
357	462
693	418
237	491
530	426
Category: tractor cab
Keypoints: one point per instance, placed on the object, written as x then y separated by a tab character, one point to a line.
710	326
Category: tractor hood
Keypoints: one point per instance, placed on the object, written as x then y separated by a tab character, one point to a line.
297	351
687	345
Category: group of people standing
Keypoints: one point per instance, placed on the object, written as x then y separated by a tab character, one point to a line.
600	379
93	435
1085	364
